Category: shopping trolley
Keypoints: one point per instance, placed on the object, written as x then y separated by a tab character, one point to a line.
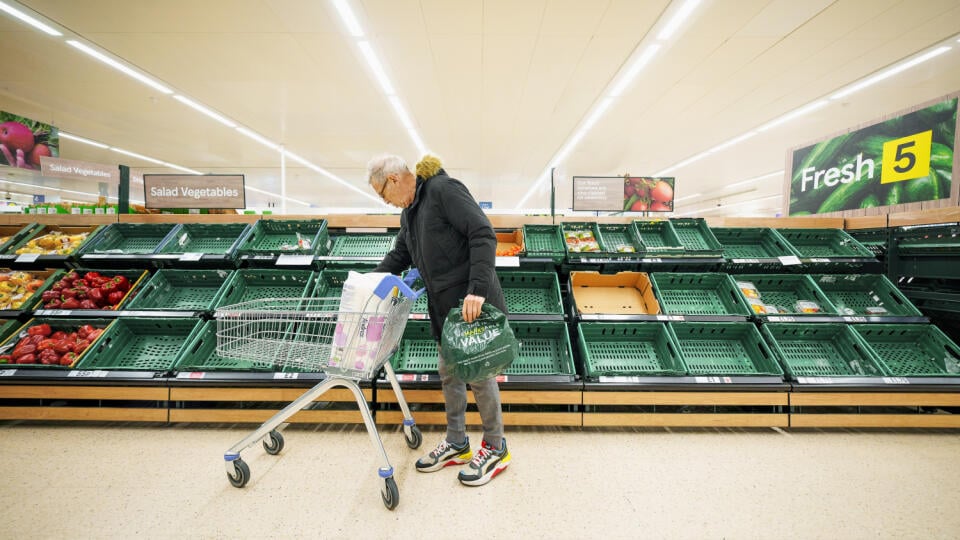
313	334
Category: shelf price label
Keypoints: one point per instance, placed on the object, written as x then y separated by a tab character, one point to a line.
792	260
896	380
619	379
287	376
508	261
294	260
815	380
746	261
855	319
27	258
7	372
674	318
713	380
86	373
191	257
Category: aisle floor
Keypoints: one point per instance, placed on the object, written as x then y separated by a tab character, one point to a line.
83	481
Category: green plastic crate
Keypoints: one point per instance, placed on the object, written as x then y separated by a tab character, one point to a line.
782	291
273	237
14	234
362	245
698	294
822	350
581	231
129	238
724	349
200	354
420	306
874	239
255	284
612	349
213	239
139	344
658	238
197	290
531	293
696	238
66	325
544	241
7	327
864	295
825	243
37	231
912	350
619	240
753	243
544	349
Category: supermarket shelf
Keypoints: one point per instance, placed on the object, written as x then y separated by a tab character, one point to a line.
764	408
279	261
588	317
34	262
267	378
885	385
687	384
507	382
67	375
114	314
842	319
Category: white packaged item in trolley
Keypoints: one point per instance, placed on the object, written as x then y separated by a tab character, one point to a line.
360	321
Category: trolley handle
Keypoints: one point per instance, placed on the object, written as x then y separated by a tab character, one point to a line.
389	282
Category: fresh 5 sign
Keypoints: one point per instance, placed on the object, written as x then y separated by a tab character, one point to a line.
903	160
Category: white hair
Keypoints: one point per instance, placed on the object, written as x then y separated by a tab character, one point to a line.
382	166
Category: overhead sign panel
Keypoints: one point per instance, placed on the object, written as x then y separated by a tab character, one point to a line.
193	191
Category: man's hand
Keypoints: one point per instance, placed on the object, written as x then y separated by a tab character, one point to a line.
471	307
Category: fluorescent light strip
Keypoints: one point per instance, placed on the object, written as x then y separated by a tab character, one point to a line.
754	179
417	141
794	114
401	112
333	177
635	68
731	142
259	138
81	139
890	72
119	66
275	195
200	108
376	67
349	19
184	169
29	20
678	18
136	155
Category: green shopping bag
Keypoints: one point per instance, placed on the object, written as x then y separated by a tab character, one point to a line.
479	350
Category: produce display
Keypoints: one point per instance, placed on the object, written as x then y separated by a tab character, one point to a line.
3	240
54	243
17	287
88	291
512	251
581	241
40	344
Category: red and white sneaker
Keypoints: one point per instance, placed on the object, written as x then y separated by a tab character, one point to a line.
445	455
488	463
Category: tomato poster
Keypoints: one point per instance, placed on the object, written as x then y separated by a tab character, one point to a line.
24	141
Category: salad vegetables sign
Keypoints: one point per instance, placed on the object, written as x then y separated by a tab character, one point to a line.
906	159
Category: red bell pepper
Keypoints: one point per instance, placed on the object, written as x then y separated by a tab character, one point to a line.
40	330
122	282
27	359
88	304
70	303
68	359
115	297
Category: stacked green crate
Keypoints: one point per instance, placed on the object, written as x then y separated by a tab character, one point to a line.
209	238
271	238
912	350
658	238
128	239
362	246
531	293
783	294
254	284
628	349
748	248
698	294
140	344
544	241
735	348
188	290
822	350
865	295
825	243
696	238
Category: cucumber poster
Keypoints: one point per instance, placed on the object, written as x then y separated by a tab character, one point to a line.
902	160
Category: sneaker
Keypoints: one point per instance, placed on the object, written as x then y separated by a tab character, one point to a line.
488	463
444	455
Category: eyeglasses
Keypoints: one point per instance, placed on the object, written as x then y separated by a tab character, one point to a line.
383	189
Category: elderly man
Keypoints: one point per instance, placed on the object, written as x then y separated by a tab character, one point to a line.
448	238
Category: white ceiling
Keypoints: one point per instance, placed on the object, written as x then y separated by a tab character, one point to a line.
495	87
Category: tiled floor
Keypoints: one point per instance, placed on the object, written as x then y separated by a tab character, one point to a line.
83	481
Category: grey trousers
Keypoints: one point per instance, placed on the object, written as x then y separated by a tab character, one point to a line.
487	394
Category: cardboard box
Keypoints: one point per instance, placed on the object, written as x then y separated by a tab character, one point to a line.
623	293
507	241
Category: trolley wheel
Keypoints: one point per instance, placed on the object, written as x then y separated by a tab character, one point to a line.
390	493
243	474
415	438
273	444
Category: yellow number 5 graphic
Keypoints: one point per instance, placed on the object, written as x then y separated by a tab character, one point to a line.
906	158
